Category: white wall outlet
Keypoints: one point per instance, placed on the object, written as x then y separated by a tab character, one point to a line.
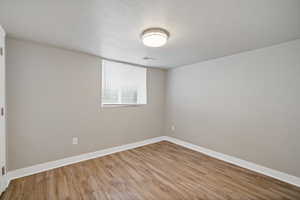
75	140
173	128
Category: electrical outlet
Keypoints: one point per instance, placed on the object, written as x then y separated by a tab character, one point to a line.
75	140
173	128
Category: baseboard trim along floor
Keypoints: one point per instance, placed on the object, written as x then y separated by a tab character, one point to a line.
230	159
18	173
239	162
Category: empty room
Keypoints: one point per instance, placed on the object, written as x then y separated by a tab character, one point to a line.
150	100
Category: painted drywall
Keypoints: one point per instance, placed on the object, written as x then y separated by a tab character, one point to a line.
54	94
245	105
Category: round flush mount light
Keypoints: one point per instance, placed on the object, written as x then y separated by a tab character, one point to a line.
155	37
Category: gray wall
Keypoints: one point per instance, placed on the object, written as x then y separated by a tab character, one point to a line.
245	105
54	94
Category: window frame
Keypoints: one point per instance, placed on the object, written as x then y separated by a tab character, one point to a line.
113	105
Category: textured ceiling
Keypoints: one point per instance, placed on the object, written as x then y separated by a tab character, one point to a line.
200	29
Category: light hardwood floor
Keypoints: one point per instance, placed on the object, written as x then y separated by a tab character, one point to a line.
158	171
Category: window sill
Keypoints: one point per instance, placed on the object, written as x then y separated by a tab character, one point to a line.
120	105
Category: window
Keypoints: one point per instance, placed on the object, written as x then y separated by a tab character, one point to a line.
123	84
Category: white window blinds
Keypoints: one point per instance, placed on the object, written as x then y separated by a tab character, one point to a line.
123	84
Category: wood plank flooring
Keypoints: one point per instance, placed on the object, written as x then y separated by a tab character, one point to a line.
158	171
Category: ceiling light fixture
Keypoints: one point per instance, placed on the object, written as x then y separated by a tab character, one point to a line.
155	37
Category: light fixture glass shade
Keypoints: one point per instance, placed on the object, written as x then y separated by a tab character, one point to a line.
155	37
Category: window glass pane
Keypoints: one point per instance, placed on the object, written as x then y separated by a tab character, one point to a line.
123	83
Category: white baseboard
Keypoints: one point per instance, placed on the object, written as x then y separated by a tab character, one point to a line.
239	162
230	159
74	159
3	184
